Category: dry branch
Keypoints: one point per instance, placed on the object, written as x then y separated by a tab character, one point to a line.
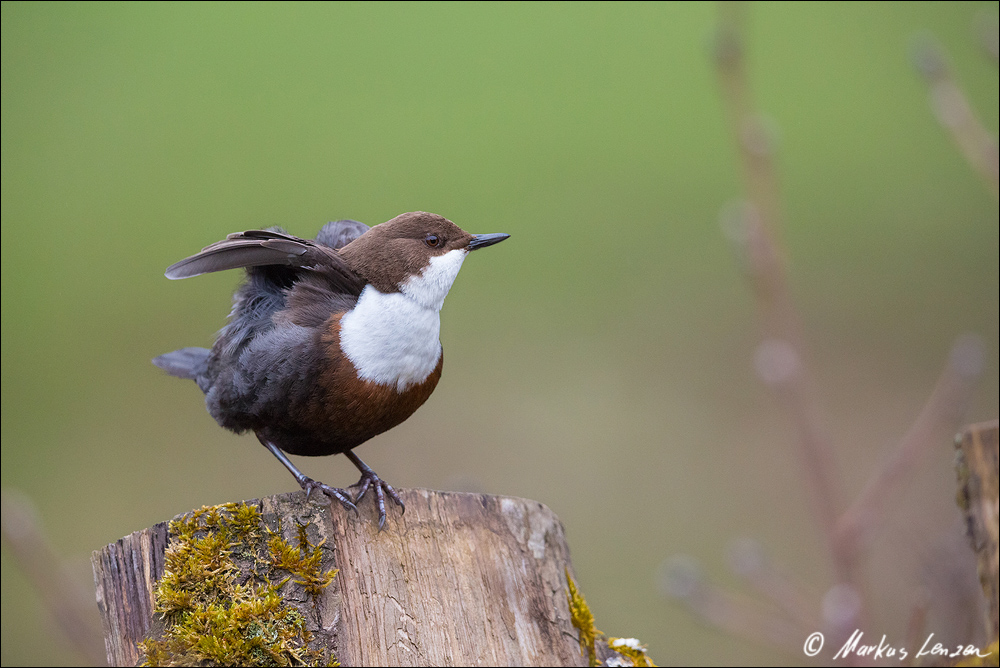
956	115
64	597
780	360
754	225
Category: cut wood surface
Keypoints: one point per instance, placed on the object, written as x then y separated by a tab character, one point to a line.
125	575
979	498
458	579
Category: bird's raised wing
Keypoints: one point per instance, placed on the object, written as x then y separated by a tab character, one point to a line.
253	248
262	248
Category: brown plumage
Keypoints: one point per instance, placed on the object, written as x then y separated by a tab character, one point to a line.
330	342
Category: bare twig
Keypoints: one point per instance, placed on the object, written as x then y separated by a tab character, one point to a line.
940	418
955	114
779	360
754	226
681	580
916	625
66	599
748	560
989	35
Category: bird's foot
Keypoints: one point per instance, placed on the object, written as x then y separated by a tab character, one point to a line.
308	484
370	480
305	482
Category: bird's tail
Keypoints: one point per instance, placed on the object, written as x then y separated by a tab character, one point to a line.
184	363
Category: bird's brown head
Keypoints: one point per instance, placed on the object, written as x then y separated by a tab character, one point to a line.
391	255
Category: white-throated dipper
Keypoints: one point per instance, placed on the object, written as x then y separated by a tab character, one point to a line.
330	342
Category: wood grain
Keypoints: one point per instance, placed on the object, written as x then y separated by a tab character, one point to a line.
125	575
453	571
979	498
458	579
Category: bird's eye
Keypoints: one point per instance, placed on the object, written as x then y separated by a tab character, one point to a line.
432	240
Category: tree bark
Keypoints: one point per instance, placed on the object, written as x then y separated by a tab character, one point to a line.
458	579
979	498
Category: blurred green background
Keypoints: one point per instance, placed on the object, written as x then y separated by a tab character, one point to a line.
599	361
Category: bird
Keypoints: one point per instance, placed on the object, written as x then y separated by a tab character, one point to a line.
331	341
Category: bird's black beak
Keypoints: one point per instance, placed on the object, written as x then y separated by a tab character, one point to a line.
484	240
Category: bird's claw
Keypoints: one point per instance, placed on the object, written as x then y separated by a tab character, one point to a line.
308	484
370	480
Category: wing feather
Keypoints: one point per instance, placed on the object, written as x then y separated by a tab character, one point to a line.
258	248
317	279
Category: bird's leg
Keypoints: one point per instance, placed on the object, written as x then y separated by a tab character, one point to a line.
307	483
370	479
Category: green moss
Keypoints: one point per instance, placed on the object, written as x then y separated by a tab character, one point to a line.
583	620
628	649
631	650
303	562
219	599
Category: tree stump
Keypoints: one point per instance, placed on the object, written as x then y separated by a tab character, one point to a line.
978	453
458	579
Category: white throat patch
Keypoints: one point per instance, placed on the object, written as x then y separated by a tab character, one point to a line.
394	338
432	285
